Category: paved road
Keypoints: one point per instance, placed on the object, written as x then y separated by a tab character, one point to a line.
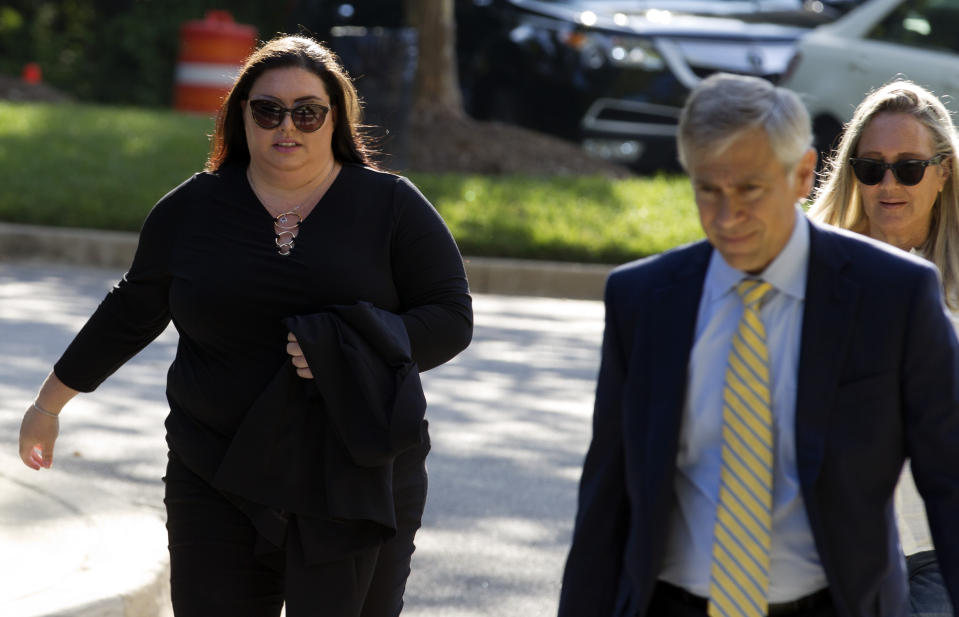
509	420
510	423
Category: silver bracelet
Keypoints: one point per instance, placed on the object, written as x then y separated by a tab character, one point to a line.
44	411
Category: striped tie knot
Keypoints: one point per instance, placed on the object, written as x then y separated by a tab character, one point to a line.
753	292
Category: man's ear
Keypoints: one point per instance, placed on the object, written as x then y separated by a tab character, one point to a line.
804	173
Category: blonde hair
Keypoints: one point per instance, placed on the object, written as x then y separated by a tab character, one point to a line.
838	201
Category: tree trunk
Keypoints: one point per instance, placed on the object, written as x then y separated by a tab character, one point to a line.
437	90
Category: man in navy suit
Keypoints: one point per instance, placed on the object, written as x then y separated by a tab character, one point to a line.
746	447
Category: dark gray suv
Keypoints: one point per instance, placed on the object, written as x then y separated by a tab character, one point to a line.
613	75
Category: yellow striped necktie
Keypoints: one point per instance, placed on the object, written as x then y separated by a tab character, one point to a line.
740	563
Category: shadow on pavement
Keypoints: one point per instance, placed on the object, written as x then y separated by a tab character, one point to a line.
510	421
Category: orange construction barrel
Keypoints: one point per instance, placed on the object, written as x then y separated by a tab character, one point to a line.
31	73
212	52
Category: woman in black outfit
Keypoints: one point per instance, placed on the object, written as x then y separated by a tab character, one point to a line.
308	289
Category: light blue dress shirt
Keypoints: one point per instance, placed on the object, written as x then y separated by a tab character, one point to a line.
795	569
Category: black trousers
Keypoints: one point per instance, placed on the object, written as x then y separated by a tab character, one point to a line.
216	572
671	601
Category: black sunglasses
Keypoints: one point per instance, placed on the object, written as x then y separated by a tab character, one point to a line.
307	117
907	173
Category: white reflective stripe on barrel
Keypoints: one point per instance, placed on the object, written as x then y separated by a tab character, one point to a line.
206	74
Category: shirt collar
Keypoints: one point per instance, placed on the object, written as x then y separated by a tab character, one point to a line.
787	272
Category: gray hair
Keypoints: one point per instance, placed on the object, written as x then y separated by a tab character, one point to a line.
723	106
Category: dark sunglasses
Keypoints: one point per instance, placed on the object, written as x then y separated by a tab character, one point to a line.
907	173
307	117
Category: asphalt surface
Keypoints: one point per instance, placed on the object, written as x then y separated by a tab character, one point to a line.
510	422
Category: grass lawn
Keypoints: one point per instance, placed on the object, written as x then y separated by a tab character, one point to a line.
91	166
77	165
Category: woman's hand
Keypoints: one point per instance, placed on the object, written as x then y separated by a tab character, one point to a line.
299	361
41	423
38	433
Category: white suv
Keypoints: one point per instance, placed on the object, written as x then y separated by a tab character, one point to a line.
838	63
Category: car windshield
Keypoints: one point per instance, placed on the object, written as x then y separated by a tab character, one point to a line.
926	24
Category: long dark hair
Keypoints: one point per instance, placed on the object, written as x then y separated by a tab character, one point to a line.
350	145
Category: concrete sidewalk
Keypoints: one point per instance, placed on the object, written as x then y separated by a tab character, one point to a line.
87	538
70	549
73	542
110	561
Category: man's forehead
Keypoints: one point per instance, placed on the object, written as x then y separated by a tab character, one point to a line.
747	156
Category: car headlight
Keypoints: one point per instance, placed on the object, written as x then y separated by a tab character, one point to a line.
634	52
596	49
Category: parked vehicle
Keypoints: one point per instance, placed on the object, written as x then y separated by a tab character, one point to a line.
602	73
837	64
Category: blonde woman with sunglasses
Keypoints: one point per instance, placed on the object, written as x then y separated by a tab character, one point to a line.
893	178
309	289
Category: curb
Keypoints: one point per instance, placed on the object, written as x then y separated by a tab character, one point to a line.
516	277
487	275
107	249
72	549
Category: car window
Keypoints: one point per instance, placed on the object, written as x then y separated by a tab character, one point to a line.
929	24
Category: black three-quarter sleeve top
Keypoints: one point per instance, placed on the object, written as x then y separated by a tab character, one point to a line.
207	260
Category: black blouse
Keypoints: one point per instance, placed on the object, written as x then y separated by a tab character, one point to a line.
207	260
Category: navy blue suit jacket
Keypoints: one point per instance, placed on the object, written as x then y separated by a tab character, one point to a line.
878	381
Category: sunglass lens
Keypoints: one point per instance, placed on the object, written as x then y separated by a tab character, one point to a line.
267	115
868	172
910	174
308	118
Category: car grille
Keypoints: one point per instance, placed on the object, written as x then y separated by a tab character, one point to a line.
623	117
612	114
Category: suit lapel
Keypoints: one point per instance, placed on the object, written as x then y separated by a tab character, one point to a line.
670	330
828	313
